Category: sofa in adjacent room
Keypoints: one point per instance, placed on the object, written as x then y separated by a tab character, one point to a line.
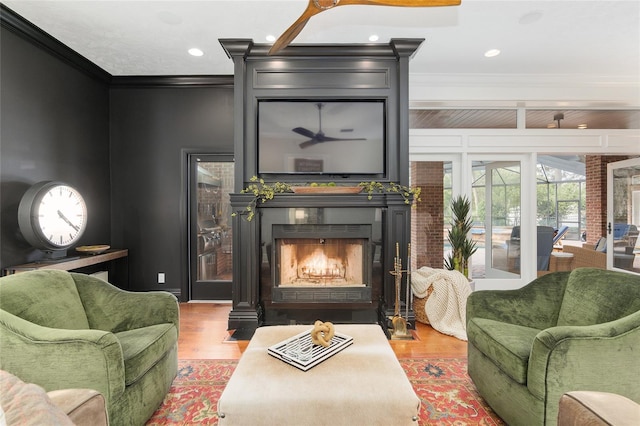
595	256
64	330
563	332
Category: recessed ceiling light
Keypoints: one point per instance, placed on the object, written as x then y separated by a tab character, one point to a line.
582	126
373	37
491	53
194	51
271	38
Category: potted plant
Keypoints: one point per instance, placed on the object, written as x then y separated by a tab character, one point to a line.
462	247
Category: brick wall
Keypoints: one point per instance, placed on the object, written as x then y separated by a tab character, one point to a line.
596	197
427	216
215	201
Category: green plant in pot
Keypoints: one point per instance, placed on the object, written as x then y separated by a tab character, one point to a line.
462	247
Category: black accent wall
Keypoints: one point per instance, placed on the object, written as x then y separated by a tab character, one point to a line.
152	131
54	125
122	141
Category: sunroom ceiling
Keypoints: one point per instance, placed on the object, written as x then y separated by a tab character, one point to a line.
535	119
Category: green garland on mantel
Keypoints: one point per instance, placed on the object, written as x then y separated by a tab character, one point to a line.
263	191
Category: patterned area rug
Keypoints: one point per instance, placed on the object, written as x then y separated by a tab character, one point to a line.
447	393
448	396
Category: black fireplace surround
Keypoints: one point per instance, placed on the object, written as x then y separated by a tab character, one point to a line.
370	225
381	221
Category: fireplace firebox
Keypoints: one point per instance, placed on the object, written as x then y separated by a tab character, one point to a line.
321	263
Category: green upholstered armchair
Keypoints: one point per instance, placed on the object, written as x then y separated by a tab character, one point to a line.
563	332
66	330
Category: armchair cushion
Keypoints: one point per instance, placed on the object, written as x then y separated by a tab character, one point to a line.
601	245
143	347
511	344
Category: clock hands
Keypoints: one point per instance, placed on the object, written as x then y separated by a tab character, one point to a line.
63	217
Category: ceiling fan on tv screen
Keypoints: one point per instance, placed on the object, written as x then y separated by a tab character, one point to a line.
319	137
316	6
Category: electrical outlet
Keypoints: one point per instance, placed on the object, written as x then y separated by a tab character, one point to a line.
160	277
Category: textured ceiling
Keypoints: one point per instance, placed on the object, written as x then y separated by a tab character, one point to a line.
599	39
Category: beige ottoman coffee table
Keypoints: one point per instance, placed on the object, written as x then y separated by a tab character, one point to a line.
363	384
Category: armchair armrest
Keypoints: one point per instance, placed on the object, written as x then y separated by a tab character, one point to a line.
586	257
535	305
600	357
60	358
115	310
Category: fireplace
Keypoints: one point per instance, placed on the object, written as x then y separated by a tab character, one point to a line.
321	263
326	256
325	263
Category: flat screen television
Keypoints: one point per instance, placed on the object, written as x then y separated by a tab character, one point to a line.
316	137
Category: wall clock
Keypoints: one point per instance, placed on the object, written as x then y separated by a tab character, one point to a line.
52	216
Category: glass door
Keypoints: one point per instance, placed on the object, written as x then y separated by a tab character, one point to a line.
211	247
502	205
623	215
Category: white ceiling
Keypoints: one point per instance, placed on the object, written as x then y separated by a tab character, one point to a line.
577	39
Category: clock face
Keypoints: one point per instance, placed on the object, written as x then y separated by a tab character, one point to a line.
61	215
52	215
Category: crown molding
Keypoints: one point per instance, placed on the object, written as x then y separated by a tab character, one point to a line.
25	29
172	81
396	48
509	89
510	80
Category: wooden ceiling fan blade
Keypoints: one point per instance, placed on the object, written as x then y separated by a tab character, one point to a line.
313	9
401	3
292	32
287	37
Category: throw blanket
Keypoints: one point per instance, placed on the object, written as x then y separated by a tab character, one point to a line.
447	304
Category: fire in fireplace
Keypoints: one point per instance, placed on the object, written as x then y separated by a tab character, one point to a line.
324	262
320	262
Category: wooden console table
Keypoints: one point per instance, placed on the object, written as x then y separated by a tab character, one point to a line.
75	262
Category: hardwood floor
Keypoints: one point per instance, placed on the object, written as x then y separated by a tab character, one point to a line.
204	335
